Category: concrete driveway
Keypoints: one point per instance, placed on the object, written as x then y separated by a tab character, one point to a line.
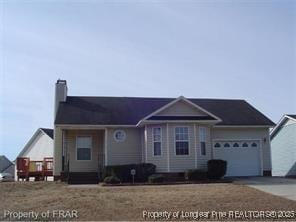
284	187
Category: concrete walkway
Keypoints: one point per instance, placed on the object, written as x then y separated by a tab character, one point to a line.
283	187
84	186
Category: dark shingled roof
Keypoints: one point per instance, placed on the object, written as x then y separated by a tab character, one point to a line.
4	163
49	132
130	110
292	116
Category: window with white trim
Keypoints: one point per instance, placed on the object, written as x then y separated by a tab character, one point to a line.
254	145
156	136
226	145
202	141
182	140
235	145
83	145
119	135
245	145
217	145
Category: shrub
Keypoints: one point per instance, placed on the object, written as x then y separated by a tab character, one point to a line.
156	178
123	172
143	171
216	169
112	180
195	175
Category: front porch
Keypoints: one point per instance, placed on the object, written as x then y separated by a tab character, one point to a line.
83	155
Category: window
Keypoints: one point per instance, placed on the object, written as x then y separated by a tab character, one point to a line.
83	144
156	134
235	145
202	140
226	145
119	136
182	140
245	145
254	145
38	166
217	145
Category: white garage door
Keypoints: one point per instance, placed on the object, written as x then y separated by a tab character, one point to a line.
243	157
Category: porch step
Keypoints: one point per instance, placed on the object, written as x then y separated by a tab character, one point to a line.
83	178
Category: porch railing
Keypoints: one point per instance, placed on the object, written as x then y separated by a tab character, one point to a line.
101	162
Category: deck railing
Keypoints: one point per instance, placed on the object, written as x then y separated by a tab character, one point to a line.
39	169
35	166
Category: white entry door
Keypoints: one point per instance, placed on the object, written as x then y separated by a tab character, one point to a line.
243	157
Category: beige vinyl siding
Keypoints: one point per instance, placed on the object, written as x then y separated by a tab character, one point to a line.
289	122
202	160
181	108
178	163
126	152
97	150
57	152
160	161
247	133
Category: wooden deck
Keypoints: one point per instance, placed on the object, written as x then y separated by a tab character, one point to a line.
40	170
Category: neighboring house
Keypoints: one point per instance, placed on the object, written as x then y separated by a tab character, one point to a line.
40	146
6	166
175	134
283	147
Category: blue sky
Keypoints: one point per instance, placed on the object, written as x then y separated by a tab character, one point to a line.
208	49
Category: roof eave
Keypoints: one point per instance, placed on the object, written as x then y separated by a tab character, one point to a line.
244	126
147	122
92	126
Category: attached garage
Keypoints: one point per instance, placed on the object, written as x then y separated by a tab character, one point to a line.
242	156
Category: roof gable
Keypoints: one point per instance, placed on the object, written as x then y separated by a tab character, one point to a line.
283	121
180	107
36	135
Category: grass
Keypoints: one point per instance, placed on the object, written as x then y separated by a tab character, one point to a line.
128	203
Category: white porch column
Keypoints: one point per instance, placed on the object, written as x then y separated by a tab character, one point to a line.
146	146
195	144
168	147
105	147
57	152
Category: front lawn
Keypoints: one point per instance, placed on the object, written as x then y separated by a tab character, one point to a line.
128	203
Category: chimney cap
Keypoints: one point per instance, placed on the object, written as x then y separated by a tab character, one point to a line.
61	81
